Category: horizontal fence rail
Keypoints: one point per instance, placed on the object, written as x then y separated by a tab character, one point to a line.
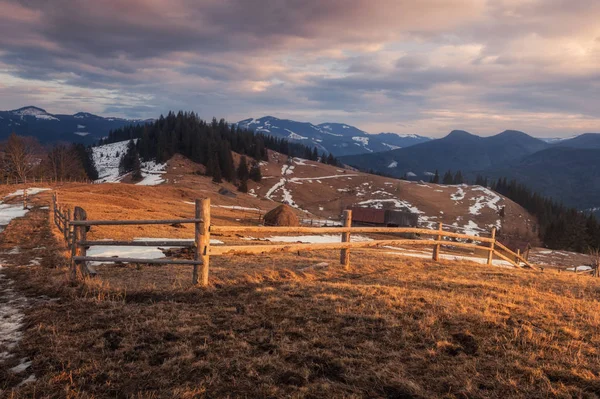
75	225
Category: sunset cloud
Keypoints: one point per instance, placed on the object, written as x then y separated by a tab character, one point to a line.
422	67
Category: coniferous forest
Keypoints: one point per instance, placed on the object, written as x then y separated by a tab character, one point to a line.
560	227
207	143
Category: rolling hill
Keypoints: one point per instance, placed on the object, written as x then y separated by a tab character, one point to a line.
336	138
459	150
81	127
565	170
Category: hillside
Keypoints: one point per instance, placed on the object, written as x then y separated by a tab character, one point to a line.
587	140
565	170
81	127
336	138
459	150
280	324
569	175
321	192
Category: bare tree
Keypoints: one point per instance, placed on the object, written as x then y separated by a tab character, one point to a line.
19	156
63	163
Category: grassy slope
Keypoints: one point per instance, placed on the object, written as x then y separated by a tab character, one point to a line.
275	326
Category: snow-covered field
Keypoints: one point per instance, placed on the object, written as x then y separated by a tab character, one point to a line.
107	157
136	252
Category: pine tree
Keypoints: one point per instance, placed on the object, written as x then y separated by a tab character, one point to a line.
242	170
458	178
436	177
255	172
216	174
243	187
448	179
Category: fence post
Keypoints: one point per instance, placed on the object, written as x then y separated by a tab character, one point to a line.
345	252
204	240
197	235
491	253
68	226
436	249
24	198
78	249
74	243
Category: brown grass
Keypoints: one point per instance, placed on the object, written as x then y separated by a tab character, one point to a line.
290	326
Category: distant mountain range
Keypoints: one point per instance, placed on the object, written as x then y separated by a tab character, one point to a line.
337	138
81	127
568	170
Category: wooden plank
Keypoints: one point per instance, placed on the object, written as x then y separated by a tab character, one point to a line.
518	257
345	252
258	249
135	260
340	230
506	258
132	222
166	243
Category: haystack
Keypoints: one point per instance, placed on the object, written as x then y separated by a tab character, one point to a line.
283	215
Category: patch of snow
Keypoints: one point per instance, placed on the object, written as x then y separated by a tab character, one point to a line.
107	162
580	268
295	136
489	200
393	164
8	212
411	174
11	309
459	195
80	126
30	191
363	140
391	147
82	134
314	239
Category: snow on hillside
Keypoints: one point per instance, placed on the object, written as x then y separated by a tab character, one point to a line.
107	157
38	113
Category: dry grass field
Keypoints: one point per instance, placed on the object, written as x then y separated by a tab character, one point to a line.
298	325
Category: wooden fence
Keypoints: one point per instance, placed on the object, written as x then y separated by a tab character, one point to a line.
75	230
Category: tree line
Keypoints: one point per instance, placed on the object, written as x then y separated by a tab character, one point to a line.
208	143
560	227
24	158
448	178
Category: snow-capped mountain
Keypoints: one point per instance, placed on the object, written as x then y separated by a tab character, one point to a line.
338	138
47	128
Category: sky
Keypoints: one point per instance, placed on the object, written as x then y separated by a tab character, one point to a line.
404	66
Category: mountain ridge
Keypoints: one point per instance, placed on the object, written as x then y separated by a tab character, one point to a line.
331	137
81	127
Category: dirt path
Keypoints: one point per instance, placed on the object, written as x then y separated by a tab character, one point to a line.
19	248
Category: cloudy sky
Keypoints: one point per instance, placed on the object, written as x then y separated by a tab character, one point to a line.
405	66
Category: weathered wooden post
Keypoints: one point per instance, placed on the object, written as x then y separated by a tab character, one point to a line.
74	244
345	252
78	246
24	198
68	226
203	241
197	233
491	253
437	248
71	230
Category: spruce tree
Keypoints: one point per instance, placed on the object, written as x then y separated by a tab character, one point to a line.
242	170
243	187
448	179
255	172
